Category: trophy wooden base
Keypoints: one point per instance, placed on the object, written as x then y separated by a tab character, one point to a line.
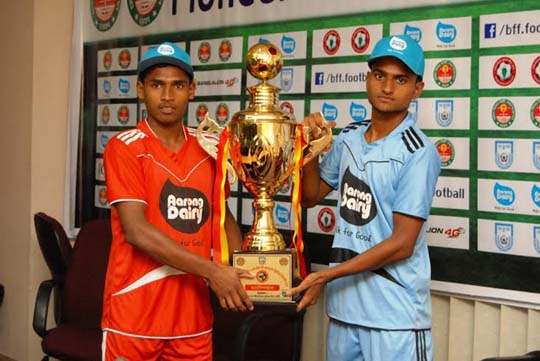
273	271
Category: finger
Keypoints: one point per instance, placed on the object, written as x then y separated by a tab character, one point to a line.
245	274
222	303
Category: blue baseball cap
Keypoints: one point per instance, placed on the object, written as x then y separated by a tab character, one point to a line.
403	48
168	54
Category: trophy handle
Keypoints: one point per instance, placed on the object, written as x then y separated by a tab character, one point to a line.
315	147
205	136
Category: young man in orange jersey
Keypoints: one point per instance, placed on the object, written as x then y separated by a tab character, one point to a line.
160	186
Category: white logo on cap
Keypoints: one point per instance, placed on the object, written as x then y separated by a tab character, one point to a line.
165	49
398	44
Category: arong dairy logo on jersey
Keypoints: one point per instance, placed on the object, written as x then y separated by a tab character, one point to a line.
535	113
358	112
286	79
288	44
331	42
183	208
535	70
446	151
504	195
504	71
326	219
124	86
446	33
504	236
356	205
444	112
536	238
104	13
444	73
535	196
143	12
503	113
413	32
536	154
504	153
329	111
282	214
360	40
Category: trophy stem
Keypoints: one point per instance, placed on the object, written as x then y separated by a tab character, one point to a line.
263	235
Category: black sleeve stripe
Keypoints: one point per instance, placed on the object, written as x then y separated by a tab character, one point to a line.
412	140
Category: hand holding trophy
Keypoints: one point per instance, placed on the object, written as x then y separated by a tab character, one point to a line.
266	147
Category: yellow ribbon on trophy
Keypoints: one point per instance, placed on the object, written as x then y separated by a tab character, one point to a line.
219	236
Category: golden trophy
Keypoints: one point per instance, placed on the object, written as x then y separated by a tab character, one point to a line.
265	146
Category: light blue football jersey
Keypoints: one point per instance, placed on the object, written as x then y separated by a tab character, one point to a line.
395	174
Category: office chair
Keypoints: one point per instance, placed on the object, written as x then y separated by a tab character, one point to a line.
77	334
530	356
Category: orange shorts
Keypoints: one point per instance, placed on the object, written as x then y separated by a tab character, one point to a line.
118	347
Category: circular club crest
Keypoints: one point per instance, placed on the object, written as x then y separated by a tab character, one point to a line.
331	42
286	107
205	52
225	50
535	70
360	40
240	261
262	276
123	114
105	115
104	13
504	71
107	60
283	261
444	73
102	196
446	151
326	219
201	111
535	113
144	12
503	113
124	59
222	113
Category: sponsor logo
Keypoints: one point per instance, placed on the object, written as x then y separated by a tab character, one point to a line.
107	60
444	112
357	206
104	13
283	261
535	70
124	86
205	52
535	113
102	196
504	195
358	112
288	44
286	79
319	78
413	109
504	153
446	33
330	111
107	86
504	236
183	208
104	139
413	32
124	59
201	111
123	114
448	232
490	31
326	219
446	151
360	40
536	154
261	276
504	71
536	238
282	214
143	12
503	113
331	42
105	114
449	193
222	113
535	195
444	73
398	44
286	107
263	40
225	50
240	261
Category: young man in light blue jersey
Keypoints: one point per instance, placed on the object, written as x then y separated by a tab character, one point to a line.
385	170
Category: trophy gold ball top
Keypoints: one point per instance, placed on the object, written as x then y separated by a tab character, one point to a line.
264	61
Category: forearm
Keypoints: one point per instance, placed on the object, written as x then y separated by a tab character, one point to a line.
311	183
234	235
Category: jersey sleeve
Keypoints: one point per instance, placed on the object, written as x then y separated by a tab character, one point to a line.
329	167
417	182
123	173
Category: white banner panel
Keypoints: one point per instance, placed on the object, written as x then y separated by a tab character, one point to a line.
512	113
321	219
292	45
452	192
510	29
509	71
352	40
339	78
448	232
444	113
216	51
220	111
342	111
437	34
505	196
218	82
117	115
447	73
520	239
454	152
509	155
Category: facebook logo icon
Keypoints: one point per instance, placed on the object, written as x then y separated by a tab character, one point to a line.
490	31
319	78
